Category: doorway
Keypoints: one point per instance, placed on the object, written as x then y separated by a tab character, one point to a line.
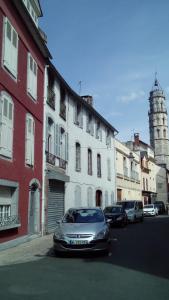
34	209
99	198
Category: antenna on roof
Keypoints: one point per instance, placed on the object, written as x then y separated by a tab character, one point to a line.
80	87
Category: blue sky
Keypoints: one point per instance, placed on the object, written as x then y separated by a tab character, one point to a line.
114	47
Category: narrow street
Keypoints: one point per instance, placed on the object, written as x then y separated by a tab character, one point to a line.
137	268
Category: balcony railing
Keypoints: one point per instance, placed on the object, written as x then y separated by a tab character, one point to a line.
50	158
62	163
51	98
9	222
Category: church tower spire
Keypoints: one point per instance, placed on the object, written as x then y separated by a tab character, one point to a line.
158	124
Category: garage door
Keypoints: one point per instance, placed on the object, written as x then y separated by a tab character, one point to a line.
55	204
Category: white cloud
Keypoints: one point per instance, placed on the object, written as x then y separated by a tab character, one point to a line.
132	96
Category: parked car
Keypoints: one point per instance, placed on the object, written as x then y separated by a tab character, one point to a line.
116	214
161	206
134	210
150	210
82	229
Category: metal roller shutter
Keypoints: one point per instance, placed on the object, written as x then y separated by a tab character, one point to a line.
55	204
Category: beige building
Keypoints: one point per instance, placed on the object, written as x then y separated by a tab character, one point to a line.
128	173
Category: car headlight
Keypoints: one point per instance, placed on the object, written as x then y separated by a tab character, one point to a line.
130	213
119	218
101	234
58	235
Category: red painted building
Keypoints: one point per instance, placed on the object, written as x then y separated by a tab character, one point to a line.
23	56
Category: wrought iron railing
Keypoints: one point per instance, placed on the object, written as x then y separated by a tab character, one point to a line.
50	158
62	163
9	221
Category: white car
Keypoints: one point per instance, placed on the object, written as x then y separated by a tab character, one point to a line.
150	210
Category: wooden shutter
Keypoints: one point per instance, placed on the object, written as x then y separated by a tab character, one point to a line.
66	146
57	140
6	126
29	140
32	76
10	59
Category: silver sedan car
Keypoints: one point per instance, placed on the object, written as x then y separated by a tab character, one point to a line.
82	229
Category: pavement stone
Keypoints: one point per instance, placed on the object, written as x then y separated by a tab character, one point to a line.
30	251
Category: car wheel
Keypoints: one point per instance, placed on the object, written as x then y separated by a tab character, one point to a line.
141	219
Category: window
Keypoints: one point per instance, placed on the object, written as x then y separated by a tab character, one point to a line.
98	165
78	115
31	11
8	204
146	184
77	196
10	54
29	144
164	133
108	169
108	138
50	136
89	124
143	184
158	133
125	169
89	162
6	125
62	103
61	143
32	77
78	157
98	131
90	196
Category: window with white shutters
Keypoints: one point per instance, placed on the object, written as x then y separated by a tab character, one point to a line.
32	77
6	125
29	144
10	50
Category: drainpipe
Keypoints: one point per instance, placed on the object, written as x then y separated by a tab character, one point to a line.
44	156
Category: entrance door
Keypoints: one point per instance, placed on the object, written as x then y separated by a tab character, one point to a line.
119	194
98	198
34	209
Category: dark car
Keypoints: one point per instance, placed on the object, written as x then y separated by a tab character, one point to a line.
161	206
116	214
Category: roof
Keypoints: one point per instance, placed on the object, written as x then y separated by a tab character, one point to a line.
81	100
31	27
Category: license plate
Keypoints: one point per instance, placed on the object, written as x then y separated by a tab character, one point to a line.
78	242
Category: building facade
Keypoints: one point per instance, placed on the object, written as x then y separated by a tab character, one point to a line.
128	173
79	152
23	55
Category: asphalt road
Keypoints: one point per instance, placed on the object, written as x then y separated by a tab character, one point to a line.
137	268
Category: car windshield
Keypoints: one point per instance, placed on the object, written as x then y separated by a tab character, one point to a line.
113	209
148	206
128	204
83	216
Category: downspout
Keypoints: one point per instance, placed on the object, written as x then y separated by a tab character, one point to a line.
115	170
44	156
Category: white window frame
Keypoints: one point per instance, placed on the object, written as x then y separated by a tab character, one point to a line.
29	140
6	125
32	76
10	48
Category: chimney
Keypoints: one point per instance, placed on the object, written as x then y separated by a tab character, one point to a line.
88	99
136	139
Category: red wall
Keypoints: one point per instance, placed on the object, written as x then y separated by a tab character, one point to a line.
16	170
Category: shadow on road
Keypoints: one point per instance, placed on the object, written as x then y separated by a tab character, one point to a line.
143	247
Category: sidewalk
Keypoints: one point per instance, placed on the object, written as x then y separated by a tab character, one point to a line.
29	251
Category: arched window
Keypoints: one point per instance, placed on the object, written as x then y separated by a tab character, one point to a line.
158	132
106	199
78	157
98	165
90	196
108	169
89	162
6	124
77	196
164	133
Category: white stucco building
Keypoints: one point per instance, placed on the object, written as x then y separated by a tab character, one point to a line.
128	173
79	160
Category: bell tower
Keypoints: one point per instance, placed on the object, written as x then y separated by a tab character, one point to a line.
158	124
